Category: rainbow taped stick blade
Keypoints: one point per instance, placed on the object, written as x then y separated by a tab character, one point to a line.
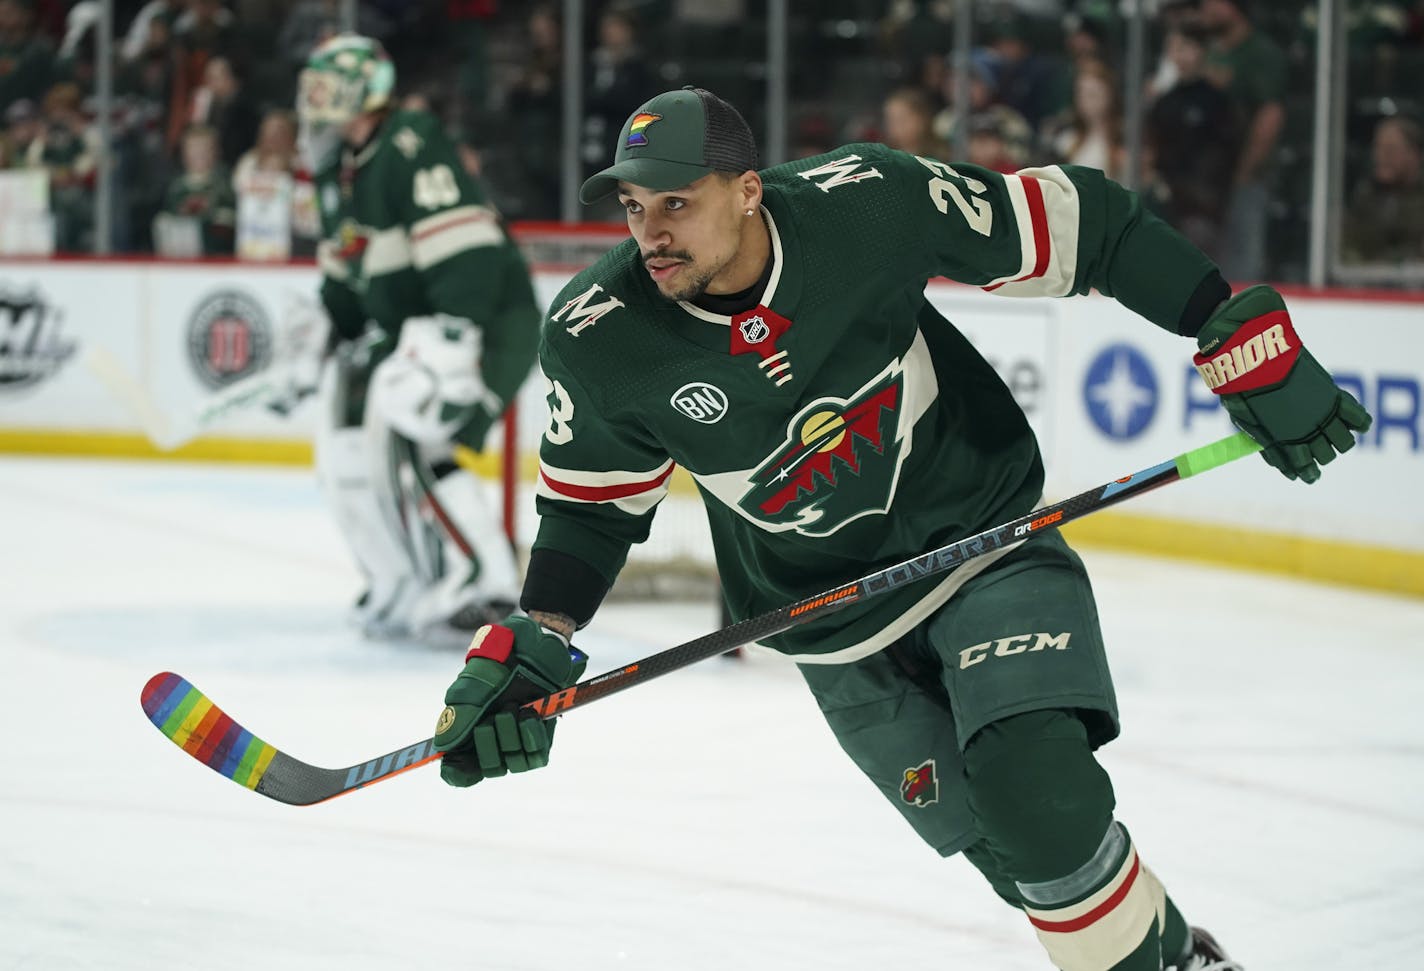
203	730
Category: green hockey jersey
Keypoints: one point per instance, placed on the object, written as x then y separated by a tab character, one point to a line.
842	425
406	233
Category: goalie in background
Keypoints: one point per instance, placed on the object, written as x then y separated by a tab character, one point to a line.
433	328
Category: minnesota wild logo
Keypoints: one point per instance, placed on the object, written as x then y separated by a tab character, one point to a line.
920	785
351	241
840	461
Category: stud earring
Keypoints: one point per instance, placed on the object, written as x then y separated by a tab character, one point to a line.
749	212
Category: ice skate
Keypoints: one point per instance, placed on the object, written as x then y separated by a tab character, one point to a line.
457	629
1207	955
382	615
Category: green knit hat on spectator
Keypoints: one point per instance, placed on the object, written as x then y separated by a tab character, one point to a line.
673	140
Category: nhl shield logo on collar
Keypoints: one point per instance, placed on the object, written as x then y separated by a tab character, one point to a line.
757	331
754	330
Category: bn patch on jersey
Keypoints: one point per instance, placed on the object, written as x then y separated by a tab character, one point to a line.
700	401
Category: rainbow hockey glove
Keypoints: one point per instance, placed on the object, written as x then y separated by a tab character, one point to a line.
482	730
1272	387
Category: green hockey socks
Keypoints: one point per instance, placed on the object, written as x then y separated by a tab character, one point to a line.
1044	806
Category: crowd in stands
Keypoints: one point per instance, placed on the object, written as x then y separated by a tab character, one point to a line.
203	133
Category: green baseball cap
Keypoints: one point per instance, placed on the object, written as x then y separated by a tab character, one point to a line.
674	139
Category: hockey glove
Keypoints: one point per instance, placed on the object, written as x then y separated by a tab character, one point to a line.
1272	387
483	731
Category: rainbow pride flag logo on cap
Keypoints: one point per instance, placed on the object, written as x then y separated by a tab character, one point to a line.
641	121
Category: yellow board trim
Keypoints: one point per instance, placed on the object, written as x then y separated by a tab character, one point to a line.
1331	561
120	445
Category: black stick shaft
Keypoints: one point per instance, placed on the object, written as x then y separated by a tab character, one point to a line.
933	563
292	781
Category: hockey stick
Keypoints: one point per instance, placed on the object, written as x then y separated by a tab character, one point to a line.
161	427
204	731
168	430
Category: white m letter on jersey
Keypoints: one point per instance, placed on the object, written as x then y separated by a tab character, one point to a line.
839	172
581	314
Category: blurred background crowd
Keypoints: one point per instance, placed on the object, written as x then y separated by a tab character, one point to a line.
1213	112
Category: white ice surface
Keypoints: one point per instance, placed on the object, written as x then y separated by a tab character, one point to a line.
1271	770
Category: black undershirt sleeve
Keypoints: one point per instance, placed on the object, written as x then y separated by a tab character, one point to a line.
558	583
1208	295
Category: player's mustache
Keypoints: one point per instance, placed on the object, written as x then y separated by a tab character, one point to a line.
680	254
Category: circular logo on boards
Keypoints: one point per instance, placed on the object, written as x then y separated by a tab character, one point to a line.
229	337
1120	392
700	401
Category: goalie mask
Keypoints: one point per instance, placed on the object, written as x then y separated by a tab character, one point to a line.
344	78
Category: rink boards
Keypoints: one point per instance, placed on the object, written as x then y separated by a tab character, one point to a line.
1107	393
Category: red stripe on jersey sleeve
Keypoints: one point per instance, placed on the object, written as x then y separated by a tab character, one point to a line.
605	493
1038	219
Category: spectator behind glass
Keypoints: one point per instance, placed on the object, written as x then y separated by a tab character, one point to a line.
68	147
1190	141
998	136
1251	69
1384	222
1090	131
144	166
914	35
535	102
1174	14
26	58
1028	82
22	126
202	192
1085	38
276	210
618	77
994	141
275	150
220	103
147	67
141	37
203	31
908	119
77	57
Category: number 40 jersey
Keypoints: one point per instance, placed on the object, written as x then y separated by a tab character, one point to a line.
842	425
406	232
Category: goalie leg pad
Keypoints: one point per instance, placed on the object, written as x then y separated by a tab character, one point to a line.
478	565
353	474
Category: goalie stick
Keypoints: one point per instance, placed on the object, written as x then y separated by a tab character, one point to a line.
303	328
168	431
184	714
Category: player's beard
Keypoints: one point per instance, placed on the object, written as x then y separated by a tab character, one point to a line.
693	287
691	282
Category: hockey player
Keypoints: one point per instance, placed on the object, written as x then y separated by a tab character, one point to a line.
434	327
769	332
